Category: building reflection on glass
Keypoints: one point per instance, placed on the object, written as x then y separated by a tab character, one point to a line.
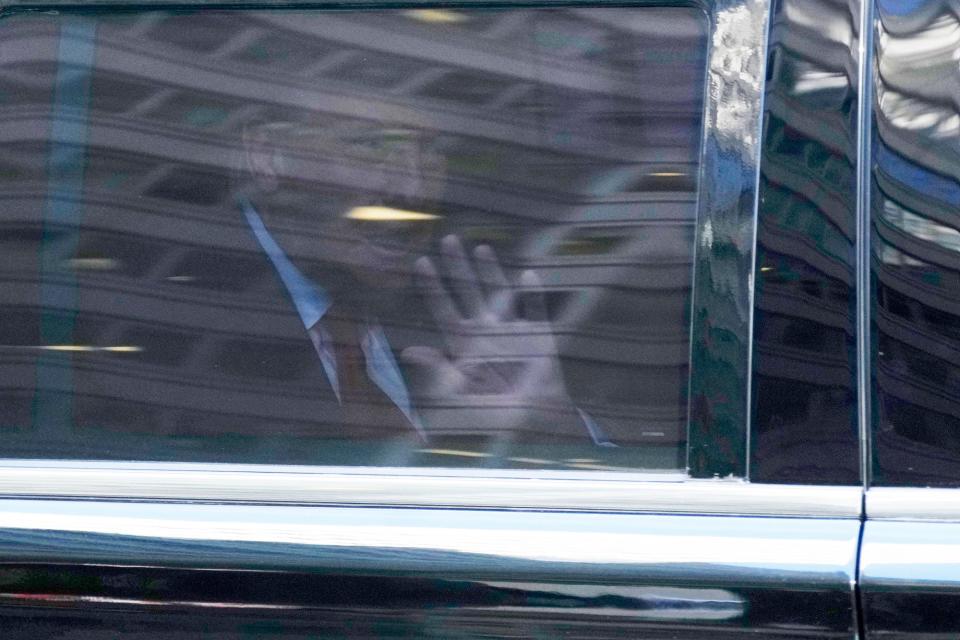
916	245
383	238
804	353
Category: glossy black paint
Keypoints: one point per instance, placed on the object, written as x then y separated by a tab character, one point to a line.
151	603
105	570
804	427
900	615
721	312
910	579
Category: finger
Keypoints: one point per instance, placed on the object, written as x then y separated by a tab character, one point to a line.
533	297
438	299
436	375
499	293
458	268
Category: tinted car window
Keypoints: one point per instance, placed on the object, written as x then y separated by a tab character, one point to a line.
406	238
804	376
916	248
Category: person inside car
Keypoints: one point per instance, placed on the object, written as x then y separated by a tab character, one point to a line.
493	370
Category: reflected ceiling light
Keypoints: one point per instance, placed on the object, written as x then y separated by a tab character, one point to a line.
388	214
765	269
667	174
523	460
181	278
53	597
456	452
86	348
596	467
435	16
103	264
920	227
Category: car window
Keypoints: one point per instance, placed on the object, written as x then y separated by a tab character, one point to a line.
915	248
805	407
428	237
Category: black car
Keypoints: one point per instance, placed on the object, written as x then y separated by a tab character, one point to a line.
551	319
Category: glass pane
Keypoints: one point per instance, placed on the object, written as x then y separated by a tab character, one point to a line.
804	359
916	248
408	238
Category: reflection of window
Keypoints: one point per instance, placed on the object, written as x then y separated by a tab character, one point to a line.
890	255
920	227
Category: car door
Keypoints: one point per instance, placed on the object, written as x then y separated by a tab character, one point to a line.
908	570
409	320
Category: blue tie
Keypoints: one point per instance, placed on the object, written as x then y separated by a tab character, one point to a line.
312	303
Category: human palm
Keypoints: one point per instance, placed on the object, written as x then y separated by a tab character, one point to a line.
500	371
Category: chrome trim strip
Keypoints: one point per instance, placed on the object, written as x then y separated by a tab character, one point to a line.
901	557
906	503
481	489
628	549
863	301
752	278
